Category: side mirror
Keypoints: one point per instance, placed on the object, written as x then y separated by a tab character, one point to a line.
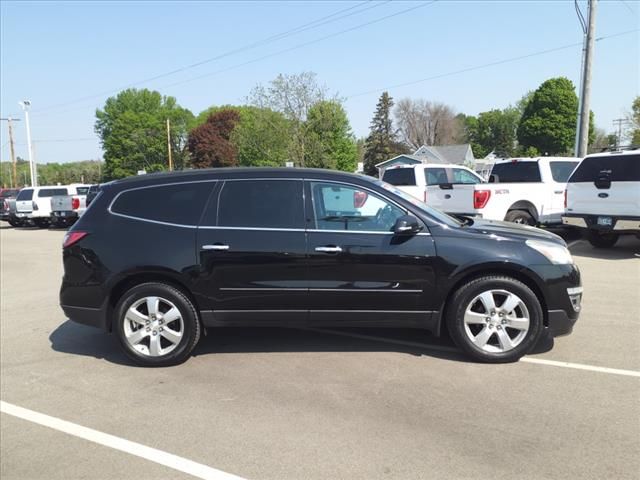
406	225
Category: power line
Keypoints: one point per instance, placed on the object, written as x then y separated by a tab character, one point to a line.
486	65
273	38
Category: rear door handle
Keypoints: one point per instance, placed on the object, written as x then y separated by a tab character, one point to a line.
215	247
329	249
447	196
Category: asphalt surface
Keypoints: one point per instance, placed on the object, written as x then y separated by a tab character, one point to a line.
295	404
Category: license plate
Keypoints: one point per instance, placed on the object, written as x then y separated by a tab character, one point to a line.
63	214
605	221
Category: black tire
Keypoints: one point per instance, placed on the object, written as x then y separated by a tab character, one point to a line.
15	223
191	325
463	298
602	239
520	216
41	222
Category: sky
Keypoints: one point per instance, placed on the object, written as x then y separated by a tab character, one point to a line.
67	58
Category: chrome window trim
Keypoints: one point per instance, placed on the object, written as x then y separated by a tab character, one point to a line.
267	229
259	229
142	219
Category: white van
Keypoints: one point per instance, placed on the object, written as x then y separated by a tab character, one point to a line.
603	197
34	203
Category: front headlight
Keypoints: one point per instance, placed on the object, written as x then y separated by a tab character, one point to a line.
557	254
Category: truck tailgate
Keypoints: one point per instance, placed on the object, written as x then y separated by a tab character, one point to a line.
61	203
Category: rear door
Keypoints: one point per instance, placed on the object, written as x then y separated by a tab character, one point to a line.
439	190
358	266
251	246
606	185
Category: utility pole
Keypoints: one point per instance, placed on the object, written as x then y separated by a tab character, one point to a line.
619	122
26	105
169	144
582	137
14	182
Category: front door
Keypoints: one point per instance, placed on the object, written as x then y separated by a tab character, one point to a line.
252	248
360	272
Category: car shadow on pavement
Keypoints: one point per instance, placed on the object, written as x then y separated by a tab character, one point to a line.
78	339
626	248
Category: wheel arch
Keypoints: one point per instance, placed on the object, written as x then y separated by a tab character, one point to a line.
525	205
517	272
131	279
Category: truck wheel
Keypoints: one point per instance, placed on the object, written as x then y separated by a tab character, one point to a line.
41	222
15	223
602	240
520	216
495	319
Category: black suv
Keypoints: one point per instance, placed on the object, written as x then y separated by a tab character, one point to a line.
157	258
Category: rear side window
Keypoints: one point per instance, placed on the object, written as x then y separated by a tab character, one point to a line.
51	192
617	168
464	176
517	172
26	194
180	203
82	190
436	176
400	176
560	171
261	204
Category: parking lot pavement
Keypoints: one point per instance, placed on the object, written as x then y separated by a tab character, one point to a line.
293	404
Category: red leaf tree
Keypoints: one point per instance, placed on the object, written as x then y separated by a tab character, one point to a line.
210	143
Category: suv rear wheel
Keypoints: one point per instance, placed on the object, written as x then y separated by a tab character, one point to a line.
495	319
602	240
156	324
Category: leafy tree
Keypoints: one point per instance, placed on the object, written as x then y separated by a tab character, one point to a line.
549	119
634	119
210	143
330	143
293	96
87	171
132	130
382	142
261	136
494	130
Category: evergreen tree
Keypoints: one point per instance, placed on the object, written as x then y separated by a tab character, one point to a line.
382	143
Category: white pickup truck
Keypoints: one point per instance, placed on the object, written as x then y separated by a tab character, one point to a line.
525	190
449	188
603	197
66	209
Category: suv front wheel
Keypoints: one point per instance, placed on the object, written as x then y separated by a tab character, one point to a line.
495	319
156	324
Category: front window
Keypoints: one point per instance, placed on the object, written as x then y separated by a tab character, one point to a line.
346	207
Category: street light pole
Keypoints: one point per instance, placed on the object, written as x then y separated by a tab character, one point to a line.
26	105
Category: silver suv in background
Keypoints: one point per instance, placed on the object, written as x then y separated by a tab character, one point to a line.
603	197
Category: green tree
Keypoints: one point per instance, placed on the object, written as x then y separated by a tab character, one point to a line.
261	136
548	122
330	142
382	142
634	119
494	130
133	132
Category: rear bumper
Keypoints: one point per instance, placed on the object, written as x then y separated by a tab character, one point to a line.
618	223
64	214
93	317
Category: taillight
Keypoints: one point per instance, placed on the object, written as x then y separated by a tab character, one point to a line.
5	205
424	196
359	199
480	198
71	238
34	205
565	198
75	203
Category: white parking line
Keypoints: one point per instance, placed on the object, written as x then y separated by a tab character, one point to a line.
538	361
180	464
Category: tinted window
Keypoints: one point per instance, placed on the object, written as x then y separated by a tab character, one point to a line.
617	168
26	194
436	176
261	204
181	203
82	190
343	207
517	172
8	193
463	176
560	171
400	176
51	192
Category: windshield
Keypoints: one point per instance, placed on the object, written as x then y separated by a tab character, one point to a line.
433	212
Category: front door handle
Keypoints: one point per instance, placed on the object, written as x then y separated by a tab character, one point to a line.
217	247
329	249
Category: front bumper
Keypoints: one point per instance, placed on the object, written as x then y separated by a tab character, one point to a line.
618	223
